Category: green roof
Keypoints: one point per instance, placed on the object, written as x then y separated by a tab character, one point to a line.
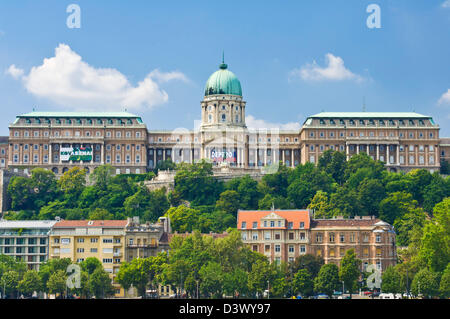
393	115
80	114
223	82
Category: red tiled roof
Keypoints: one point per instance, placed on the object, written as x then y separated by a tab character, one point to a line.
343	222
294	216
91	223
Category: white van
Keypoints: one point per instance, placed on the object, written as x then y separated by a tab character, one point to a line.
386	296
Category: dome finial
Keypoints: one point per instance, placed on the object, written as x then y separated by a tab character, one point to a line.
223	66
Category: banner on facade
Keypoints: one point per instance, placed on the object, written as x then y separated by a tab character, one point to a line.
76	154
220	156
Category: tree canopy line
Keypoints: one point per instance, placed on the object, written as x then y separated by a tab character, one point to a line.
416	203
335	187
16	281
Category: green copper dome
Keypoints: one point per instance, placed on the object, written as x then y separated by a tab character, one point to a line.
223	82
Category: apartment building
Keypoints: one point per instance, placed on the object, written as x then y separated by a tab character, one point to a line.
80	239
27	241
145	240
283	235
372	239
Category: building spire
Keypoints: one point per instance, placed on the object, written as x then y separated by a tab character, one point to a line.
223	66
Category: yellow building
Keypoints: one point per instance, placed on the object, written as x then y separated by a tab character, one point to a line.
80	239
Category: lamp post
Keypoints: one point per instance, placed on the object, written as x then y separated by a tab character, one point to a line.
268	290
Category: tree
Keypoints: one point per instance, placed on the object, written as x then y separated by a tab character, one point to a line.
136	273
235	283
183	219
435	249
229	202
349	270
196	184
444	287
425	283
30	282
50	267
102	176
303	283
20	192
396	205
90	265
9	282
334	164
328	279
211	276
391	281
100	214
269	201
370	193
259	277
100	284
410	221
320	205
72	183
309	262
56	283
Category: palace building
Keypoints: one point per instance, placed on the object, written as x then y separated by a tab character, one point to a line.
61	140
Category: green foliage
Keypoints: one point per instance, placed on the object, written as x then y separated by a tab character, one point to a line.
309	262
444	287
349	271
195	183
391	281
327	280
303	283
425	283
30	283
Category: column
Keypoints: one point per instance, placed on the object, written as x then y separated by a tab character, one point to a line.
387	154
378	152
256	157
59	156
282	156
357	148
102	154
347	151
292	157
265	156
50	154
164	154
397	149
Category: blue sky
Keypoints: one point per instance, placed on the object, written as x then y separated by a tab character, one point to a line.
293	58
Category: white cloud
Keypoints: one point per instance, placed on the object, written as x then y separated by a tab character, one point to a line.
68	81
446	4
14	71
168	76
253	123
334	71
445	98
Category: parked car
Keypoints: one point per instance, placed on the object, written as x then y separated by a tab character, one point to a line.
322	296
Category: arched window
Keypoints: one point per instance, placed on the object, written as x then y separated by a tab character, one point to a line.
224	117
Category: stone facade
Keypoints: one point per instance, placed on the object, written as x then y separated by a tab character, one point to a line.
402	140
284	235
